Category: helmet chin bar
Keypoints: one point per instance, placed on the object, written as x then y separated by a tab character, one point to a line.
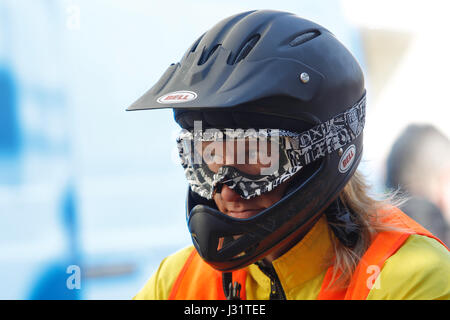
241	252
208	226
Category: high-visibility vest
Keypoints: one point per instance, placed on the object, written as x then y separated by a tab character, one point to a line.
199	281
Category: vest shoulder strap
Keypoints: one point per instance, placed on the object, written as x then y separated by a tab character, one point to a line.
199	281
383	246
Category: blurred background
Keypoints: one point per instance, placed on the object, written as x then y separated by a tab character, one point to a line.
92	197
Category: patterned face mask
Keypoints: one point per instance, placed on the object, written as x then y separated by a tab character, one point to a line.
252	162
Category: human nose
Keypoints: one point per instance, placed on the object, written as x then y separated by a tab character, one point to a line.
229	194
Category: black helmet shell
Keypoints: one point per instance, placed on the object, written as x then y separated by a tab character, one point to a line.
259	54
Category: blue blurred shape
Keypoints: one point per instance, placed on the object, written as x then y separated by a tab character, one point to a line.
52	283
9	123
69	217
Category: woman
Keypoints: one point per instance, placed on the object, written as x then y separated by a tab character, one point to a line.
272	108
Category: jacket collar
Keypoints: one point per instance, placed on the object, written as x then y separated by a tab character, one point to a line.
309	258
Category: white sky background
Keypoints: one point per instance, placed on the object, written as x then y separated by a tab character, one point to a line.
418	90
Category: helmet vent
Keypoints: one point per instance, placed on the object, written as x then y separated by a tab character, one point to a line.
245	50
205	55
304	37
194	46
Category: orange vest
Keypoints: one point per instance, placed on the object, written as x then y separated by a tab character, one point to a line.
199	281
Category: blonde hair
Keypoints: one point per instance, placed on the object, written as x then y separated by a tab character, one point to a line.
367	213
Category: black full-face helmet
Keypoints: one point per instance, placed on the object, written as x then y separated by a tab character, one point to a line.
268	69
